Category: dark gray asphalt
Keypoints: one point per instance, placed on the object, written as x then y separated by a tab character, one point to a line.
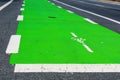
3	2
110	11
8	27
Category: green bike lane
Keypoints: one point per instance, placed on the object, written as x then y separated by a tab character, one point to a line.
51	35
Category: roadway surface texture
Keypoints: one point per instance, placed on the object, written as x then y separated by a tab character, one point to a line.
105	14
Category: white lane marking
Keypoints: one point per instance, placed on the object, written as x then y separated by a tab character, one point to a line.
69	11
59	6
88	48
115	21
90	21
20	18
22	9
73	34
82	41
23	5
13	45
26	68
5	5
24	2
52	3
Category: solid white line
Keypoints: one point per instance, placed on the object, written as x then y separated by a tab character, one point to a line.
20	18
22	9
90	21
115	21
13	44
69	11
26	68
73	34
5	5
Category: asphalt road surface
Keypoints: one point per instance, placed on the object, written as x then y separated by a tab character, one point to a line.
8	27
98	9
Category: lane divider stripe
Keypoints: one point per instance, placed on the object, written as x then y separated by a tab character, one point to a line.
20	18
22	9
13	45
69	11
90	21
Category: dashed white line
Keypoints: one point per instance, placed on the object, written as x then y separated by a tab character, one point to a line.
13	45
52	3
20	18
115	21
23	5
26	68
90	21
59	6
69	11
24	2
22	9
5	5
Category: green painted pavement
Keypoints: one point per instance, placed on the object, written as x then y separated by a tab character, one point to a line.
46	38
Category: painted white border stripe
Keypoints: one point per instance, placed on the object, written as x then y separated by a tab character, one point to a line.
23	1
5	5
52	3
20	18
115	21
23	5
69	11
67	68
13	44
22	9
90	21
59	6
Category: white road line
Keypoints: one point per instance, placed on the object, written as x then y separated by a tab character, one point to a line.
82	41
69	11
52	3
5	5
13	44
22	9
26	68
73	34
23	5
20	18
115	21
59	6
24	2
87	47
90	21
